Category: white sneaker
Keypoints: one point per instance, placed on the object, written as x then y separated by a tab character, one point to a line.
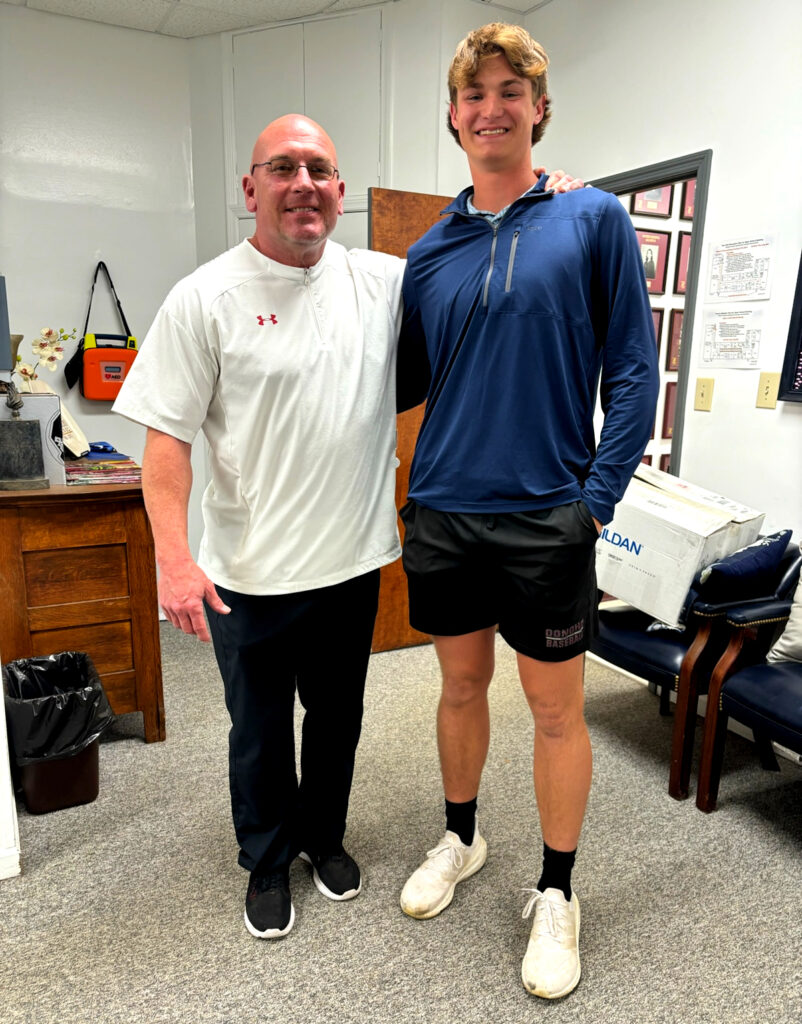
551	965
430	889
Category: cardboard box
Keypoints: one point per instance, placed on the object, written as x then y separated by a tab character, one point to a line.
47	409
665	530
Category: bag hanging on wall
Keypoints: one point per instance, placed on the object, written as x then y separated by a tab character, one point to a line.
102	361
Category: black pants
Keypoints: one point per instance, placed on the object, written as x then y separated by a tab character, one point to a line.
318	642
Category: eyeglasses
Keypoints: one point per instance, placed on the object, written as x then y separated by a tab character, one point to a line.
282	167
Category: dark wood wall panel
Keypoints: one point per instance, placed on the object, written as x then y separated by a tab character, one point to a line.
395	220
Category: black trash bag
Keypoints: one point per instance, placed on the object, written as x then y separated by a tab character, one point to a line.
55	706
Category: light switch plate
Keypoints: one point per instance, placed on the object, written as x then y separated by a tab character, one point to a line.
767	391
703	399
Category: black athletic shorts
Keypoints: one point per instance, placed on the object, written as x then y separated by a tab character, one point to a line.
532	573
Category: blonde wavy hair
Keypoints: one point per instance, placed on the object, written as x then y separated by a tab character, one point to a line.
526	57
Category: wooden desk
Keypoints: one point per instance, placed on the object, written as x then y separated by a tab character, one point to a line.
78	573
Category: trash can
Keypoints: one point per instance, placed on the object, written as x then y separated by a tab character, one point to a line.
56	709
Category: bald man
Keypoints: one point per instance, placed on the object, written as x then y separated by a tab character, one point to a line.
282	351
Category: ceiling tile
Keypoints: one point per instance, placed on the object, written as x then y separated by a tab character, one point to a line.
264	11
144	14
349	5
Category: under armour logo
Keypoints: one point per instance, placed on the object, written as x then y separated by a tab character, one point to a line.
264	319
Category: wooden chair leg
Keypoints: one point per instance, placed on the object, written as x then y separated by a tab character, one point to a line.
712	760
685	715
715	728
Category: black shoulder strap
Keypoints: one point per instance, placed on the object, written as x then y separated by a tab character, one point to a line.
73	367
102	266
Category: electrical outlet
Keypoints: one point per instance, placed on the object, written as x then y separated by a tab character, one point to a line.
767	391
703	399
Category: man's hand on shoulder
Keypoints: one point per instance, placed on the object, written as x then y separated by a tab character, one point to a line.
183	587
560	181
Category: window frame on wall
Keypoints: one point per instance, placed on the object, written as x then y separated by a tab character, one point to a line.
673	171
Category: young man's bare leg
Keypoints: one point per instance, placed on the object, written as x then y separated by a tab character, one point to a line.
562	773
463	737
463	717
562	758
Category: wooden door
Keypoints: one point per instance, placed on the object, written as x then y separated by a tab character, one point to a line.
396	220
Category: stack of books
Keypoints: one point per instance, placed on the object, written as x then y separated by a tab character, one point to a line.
103	467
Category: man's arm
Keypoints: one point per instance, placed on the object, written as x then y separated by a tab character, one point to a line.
629	376
413	373
166	483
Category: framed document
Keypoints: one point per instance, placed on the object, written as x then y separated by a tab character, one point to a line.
654	247
665	462
681	273
688	197
791	376
654	202
657	318
674	336
669	406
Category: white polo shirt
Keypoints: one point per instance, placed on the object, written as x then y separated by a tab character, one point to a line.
290	373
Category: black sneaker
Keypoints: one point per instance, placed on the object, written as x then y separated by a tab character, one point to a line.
336	874
269	913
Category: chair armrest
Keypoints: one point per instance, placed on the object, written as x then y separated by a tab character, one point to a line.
758	613
708	610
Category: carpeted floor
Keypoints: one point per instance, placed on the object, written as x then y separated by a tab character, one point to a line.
130	909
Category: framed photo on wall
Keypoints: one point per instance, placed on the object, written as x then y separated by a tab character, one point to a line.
791	376
674	336
654	246
688	197
669	407
657	317
654	202
665	462
683	253
647	460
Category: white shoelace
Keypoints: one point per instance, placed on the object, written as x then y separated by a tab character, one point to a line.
455	853
552	917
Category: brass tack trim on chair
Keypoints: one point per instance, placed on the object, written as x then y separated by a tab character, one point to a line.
757	622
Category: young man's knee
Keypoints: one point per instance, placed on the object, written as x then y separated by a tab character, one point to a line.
465	686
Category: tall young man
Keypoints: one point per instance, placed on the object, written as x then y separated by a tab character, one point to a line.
525	300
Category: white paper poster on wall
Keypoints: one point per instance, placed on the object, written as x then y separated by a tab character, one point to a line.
731	338
741	269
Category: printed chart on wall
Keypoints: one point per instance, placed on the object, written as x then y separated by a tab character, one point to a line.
732	339
740	272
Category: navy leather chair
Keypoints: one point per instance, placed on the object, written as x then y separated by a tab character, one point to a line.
765	697
683	660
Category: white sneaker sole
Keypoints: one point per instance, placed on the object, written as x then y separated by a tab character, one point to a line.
322	887
572	984
449	894
271	933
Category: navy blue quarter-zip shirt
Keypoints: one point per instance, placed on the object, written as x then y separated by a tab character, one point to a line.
523	321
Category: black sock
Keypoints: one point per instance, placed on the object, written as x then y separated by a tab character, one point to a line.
557	867
461	818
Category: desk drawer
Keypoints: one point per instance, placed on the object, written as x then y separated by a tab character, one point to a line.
58	575
108	645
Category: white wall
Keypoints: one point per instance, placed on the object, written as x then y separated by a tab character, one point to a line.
95	164
637	83
99	145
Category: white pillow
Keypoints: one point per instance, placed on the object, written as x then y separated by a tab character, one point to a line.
788	647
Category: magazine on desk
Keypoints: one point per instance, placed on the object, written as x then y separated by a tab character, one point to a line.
103	465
